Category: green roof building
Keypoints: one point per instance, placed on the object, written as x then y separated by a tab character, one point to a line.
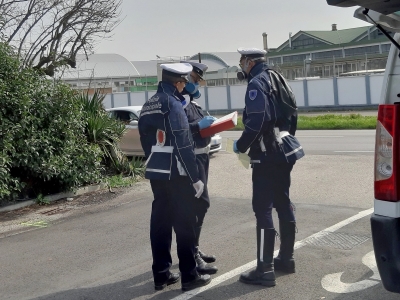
331	53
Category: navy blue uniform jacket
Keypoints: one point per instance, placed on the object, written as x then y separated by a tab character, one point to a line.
261	114
176	157
194	114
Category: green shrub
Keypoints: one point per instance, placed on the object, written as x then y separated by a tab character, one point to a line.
103	131
42	136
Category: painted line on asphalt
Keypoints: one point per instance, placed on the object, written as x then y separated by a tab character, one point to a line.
320	136
252	264
355	151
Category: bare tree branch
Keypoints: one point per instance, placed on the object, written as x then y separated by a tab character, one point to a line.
50	33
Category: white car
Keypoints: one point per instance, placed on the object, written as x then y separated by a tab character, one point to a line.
385	221
130	143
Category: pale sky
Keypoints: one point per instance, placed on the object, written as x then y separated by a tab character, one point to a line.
182	28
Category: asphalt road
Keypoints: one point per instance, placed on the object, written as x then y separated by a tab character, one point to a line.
103	251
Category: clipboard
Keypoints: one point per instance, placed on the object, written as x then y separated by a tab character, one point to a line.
224	123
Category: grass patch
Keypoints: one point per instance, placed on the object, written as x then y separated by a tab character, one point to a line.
117	181
330	121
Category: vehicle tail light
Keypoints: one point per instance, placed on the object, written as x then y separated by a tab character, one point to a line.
387	152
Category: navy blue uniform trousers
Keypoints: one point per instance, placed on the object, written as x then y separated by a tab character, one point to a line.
173	207
271	183
203	203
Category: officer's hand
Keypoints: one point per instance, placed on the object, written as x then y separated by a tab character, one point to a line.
235	149
206	122
199	187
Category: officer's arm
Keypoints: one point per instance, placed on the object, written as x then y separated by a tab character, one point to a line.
193	117
293	124
194	127
182	140
144	138
258	116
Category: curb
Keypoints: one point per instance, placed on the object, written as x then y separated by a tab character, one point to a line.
55	197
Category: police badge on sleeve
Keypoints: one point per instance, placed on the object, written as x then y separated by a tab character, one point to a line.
252	94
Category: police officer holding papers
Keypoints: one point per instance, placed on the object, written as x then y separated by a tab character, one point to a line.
198	121
174	177
273	152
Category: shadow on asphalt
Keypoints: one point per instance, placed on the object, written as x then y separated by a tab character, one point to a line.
142	286
135	287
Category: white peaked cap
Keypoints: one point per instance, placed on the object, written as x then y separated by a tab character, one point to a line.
177	68
251	52
200	66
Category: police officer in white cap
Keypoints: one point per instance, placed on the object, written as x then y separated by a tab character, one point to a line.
198	121
174	177
269	133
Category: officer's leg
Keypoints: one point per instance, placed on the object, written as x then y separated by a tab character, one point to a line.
203	161
184	220
161	232
287	224
202	266
263	195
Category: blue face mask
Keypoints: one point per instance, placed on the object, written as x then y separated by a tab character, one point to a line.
192	88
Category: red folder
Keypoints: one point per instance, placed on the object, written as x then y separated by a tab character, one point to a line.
221	124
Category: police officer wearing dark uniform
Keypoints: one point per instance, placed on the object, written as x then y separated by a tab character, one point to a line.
198	121
273	151
174	177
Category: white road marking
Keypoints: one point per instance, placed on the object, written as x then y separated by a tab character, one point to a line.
333	283
252	264
319	136
355	151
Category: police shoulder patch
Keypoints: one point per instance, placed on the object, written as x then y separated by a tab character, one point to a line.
252	94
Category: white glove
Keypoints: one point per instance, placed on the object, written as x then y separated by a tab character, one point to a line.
199	187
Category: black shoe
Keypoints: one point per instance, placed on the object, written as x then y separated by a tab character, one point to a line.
203	267
284	265
199	281
173	278
263	277
207	258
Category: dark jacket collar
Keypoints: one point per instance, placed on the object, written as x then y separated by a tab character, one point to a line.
257	69
166	87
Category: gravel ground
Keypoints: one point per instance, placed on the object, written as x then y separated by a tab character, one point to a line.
15	221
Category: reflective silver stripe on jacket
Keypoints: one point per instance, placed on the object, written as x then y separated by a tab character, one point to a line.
294	151
163	149
202	150
158	171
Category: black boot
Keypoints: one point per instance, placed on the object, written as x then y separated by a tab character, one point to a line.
200	280
284	262
264	273
173	278
203	267
207	258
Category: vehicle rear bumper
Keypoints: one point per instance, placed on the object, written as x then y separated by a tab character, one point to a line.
386	241
216	143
